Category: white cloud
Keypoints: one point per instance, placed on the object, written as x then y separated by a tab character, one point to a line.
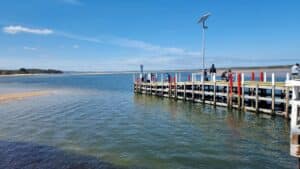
130	43
160	55
29	48
20	29
79	37
147	46
73	2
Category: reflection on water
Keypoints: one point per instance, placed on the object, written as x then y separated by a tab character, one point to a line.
29	156
100	118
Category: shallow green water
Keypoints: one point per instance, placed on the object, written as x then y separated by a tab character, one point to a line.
98	119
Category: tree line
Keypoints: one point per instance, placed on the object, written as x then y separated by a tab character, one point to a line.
30	71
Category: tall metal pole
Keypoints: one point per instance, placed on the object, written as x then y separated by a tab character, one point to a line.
203	63
202	21
203	47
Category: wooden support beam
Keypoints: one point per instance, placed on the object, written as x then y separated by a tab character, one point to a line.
170	88
273	100
239	86
184	92
243	92
243	97
176	94
256	97
215	90
162	87
287	98
140	90
228	97
193	93
203	91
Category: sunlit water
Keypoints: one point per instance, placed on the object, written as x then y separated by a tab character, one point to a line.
97	121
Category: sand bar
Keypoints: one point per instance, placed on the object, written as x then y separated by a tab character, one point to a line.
22	95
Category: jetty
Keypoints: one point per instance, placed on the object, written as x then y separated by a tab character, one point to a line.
260	96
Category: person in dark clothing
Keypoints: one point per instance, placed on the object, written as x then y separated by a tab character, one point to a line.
229	74
212	69
224	76
169	77
205	75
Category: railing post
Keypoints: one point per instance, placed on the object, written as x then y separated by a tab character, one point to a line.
214	77
273	93
243	91
170	86
256	98
261	76
265	76
287	76
192	77
134	82
239	85
230	89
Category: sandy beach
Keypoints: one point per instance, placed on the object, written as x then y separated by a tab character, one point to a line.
22	95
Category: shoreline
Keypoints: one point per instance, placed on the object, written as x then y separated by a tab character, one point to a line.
24	75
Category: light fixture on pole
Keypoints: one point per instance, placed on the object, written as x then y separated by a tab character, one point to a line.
204	26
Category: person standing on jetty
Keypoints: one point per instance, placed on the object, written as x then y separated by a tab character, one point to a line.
225	75
205	75
212	71
295	71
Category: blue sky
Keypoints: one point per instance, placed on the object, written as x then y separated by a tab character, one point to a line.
98	35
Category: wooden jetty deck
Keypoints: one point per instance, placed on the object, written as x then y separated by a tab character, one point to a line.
255	96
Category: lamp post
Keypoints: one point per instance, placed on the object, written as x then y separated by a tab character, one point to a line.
204	27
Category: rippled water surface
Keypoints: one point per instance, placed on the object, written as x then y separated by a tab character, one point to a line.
98	122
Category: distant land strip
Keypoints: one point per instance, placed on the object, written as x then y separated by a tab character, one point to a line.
23	71
275	68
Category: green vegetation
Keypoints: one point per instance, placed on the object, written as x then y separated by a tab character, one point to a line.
30	71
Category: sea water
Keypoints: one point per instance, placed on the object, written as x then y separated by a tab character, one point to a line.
96	121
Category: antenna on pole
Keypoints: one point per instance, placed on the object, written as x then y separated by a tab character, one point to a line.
203	19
